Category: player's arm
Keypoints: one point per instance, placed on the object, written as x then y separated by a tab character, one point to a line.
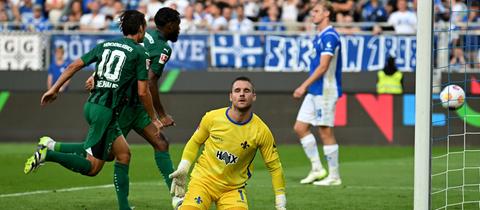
143	90
270	155
156	69
330	42
153	84
51	94
190	152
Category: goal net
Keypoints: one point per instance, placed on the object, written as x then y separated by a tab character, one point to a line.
449	177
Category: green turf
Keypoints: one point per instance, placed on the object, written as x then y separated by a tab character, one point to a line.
373	178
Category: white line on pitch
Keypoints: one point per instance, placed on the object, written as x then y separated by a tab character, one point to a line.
69	189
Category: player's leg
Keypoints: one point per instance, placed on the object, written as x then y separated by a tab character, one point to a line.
198	196
233	200
306	116
121	181
144	127
330	146
99	119
63	147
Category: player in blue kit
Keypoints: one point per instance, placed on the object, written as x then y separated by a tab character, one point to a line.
322	89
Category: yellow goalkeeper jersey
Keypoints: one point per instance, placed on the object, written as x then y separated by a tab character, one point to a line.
230	147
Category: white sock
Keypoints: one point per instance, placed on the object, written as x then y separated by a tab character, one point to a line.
310	147
331	154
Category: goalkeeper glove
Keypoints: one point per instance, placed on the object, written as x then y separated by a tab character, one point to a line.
281	202
179	179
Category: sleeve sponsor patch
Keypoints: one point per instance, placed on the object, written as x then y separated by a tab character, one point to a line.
163	58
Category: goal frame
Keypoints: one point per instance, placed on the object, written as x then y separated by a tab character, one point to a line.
423	105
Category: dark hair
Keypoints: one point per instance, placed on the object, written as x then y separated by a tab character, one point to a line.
130	22
244	78
166	15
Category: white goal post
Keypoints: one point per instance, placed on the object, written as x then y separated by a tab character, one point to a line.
423	106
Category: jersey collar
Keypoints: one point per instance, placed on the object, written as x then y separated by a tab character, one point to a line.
238	123
325	29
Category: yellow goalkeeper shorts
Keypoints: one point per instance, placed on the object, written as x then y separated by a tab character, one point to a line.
201	195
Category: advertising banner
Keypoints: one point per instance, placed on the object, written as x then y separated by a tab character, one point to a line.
20	52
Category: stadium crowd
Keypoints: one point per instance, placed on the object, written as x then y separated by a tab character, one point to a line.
214	15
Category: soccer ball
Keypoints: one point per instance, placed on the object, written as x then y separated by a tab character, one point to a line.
452	97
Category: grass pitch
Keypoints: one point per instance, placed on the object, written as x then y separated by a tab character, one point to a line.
373	178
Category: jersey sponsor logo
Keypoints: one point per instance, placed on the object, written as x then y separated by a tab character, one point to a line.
227	157
163	58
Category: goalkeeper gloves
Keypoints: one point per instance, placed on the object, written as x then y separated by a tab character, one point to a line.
281	202
179	179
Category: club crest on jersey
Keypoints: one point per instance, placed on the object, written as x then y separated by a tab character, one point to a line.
227	157
244	145
163	58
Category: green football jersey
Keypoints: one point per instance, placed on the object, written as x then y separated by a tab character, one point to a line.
119	64
159	50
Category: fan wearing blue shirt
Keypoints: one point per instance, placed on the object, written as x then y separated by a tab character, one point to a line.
56	68
322	89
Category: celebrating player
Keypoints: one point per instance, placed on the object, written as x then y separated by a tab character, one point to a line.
120	64
133	116
231	137
323	88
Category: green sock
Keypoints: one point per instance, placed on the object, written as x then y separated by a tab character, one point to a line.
75	148
165	165
72	162
120	180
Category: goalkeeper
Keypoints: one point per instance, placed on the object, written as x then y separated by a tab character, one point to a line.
231	136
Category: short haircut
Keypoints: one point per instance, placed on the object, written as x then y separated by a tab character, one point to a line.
327	5
244	78
166	15
130	22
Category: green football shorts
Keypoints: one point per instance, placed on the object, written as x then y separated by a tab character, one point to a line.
102	132
133	117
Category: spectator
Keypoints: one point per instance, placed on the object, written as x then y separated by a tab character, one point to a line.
227	13
3	20
251	9
56	68
106	7
202	18
38	21
142	7
180	4
458	22
187	24
93	21
271	22
240	23
153	7
54	8
26	11
403	21
344	7
73	15
132	4
219	22
373	11
290	14
346	24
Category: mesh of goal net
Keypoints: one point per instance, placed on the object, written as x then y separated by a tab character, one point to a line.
455	137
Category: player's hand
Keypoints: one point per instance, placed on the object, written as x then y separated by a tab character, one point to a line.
179	179
167	121
89	84
281	202
299	92
48	97
158	125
